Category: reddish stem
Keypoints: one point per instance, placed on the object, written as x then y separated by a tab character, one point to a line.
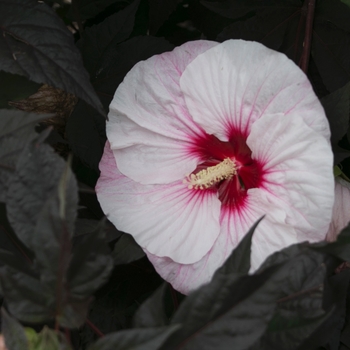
308	35
67	334
94	328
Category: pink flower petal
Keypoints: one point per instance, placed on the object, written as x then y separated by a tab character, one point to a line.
235	83
297	163
341	209
148	157
149	125
271	235
164	219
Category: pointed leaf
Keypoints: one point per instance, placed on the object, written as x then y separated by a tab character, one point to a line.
135	339
126	250
237	314
52	246
159	11
235	319
73	312
25	296
49	339
16	262
151	313
35	43
335	299
239	261
86	129
337	108
35	180
300	308
15	337
111	31
91	263
331	53
16	130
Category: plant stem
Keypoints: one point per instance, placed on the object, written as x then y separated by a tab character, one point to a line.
94	328
308	35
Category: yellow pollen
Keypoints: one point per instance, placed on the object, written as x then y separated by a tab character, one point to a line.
211	175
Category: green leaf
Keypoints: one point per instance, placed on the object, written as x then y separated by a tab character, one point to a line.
35	43
151	313
126	250
346	2
14	334
49	339
16	131
135	339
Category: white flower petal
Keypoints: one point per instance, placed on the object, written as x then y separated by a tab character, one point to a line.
149	121
341	209
272	234
233	84
297	163
167	220
148	157
150	94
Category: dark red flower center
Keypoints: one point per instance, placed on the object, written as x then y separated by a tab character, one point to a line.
232	191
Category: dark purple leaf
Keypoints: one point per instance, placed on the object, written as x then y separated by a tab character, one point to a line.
337	108
13	332
35	43
126	250
151	313
16	131
91	263
86	128
90	8
37	174
111	31
137	339
159	11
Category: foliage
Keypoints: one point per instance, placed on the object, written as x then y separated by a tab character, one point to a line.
67	276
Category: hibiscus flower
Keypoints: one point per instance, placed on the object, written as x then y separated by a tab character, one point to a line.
205	140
